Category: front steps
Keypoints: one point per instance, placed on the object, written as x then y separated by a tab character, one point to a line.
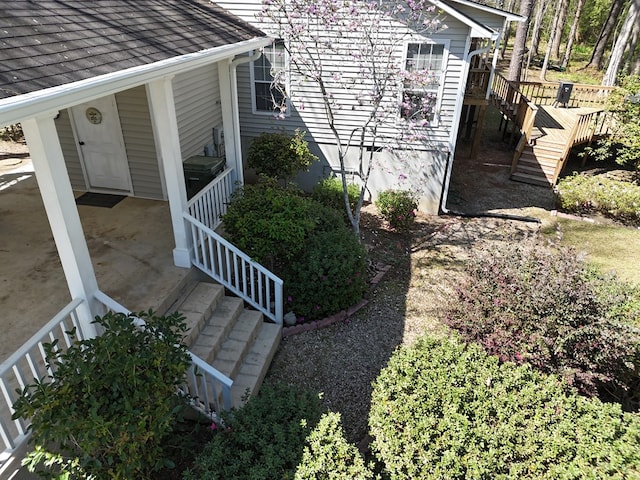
235	340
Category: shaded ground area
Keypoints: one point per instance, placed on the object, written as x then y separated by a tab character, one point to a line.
342	361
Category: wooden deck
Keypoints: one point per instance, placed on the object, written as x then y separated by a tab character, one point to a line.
547	131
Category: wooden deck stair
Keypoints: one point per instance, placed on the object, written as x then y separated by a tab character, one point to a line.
235	340
539	163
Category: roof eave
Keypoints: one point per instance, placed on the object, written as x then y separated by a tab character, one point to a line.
43	102
512	17
477	29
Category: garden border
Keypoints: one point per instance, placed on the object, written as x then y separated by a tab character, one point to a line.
381	270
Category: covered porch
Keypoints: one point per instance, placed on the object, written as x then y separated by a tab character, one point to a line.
130	246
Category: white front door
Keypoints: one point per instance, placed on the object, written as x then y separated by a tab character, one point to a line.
101	145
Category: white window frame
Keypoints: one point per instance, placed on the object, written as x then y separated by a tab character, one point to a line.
443	70
269	51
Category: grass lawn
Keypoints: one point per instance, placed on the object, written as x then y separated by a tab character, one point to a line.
610	247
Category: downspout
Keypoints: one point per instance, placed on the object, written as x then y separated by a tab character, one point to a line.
455	127
237	143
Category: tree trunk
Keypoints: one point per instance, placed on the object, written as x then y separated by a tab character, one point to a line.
537	27
552	33
597	55
561	16
520	42
621	42
572	33
632	52
507	33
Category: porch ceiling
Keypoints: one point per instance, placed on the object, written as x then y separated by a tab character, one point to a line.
130	245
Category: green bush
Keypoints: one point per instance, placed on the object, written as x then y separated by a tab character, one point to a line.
398	208
279	155
598	194
269	223
263	440
329	456
527	303
329	192
328	277
113	401
304	242
443	409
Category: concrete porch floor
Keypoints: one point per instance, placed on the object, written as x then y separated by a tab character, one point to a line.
130	245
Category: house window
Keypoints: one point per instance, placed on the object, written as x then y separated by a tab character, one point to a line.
268	79
423	79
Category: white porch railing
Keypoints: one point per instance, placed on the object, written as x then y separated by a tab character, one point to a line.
27	363
208	389
223	261
210	203
233	269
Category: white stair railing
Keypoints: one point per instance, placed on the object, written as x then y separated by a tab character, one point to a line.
208	389
209	204
29	363
232	268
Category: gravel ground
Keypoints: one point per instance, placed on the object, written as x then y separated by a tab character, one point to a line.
343	360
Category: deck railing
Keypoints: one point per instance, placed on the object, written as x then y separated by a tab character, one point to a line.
588	126
211	202
477	83
582	95
208	389
25	365
232	268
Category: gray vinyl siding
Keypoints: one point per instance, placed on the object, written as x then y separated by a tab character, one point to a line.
70	151
312	118
198	110
139	143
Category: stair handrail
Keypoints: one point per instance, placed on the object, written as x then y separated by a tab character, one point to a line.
31	357
234	269
201	380
210	203
582	131
528	121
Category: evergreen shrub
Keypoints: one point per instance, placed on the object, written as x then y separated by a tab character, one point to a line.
113	402
329	276
398	208
445	409
328	455
586	194
329	192
280	155
263	440
304	242
528	303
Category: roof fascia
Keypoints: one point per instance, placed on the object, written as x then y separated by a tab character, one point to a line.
512	17
42	102
477	29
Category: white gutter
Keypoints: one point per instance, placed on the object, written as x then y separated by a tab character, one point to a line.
15	109
456	125
237	143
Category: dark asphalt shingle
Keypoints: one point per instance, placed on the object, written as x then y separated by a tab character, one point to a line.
45	43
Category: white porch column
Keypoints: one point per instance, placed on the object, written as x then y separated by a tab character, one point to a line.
165	125
230	118
59	202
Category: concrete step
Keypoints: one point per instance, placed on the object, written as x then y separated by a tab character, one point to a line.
235	347
197	305
256	363
216	329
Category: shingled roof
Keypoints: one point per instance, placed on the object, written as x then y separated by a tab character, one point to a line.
46	43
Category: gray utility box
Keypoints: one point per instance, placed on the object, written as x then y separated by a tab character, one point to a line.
199	171
564	93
